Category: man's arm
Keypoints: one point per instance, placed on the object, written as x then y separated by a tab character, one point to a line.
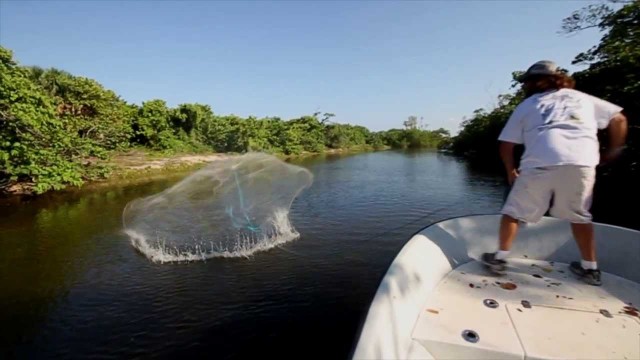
617	136
512	134
506	154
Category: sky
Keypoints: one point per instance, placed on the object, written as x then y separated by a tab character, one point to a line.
371	63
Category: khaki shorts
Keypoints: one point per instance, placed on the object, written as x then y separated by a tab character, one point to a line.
568	187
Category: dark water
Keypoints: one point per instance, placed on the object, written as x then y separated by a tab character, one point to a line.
71	284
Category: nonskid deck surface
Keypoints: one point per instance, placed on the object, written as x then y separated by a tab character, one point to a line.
538	310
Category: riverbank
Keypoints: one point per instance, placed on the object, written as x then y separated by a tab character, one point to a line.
129	167
139	166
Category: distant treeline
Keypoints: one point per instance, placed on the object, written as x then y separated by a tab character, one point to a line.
55	127
613	74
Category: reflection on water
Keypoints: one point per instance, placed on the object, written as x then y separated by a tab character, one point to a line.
72	285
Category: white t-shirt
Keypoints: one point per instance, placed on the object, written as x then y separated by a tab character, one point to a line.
559	127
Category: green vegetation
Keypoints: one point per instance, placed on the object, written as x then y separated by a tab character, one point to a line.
57	129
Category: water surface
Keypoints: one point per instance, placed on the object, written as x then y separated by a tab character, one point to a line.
71	284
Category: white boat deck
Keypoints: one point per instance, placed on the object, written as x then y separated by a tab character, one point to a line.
538	310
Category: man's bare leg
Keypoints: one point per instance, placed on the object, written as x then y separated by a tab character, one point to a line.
508	232
583	233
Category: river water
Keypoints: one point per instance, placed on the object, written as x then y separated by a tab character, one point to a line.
71	284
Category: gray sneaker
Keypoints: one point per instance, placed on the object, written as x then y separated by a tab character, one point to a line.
496	266
591	277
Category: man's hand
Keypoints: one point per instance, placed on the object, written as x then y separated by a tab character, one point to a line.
610	155
506	154
512	175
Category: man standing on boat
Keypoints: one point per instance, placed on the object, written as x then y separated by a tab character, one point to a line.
558	127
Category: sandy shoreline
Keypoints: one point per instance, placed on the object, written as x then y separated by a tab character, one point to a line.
141	161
